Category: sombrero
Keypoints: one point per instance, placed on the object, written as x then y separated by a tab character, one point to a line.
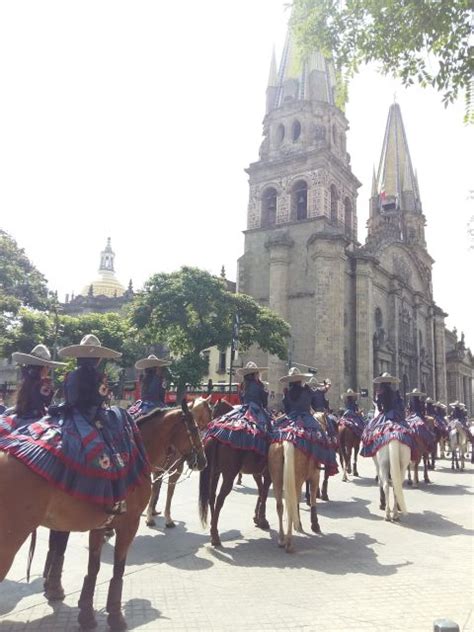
294	375
350	393
89	347
39	356
440	405
152	360
428	400
454	404
415	393
386	378
250	368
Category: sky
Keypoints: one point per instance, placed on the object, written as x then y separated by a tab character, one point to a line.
136	120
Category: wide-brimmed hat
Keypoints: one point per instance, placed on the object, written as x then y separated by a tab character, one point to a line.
386	378
428	400
250	368
295	375
39	356
440	405
350	393
454	404
152	360
415	393
89	347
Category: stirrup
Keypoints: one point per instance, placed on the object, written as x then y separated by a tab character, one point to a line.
117	508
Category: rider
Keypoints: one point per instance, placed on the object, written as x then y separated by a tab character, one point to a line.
35	393
352	414
416	419
153	386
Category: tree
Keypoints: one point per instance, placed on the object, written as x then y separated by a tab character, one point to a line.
191	310
419	41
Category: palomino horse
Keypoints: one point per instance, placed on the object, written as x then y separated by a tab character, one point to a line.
458	441
33	502
289	468
202	413
228	461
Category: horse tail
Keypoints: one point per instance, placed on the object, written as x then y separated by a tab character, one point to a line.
31	553
396	474
205	480
289	486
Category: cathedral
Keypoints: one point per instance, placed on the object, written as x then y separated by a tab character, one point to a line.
355	310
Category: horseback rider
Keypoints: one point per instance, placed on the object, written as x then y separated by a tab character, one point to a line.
153	386
416	418
34	395
299	425
352	415
319	403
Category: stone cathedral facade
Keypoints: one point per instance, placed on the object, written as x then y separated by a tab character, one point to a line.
355	310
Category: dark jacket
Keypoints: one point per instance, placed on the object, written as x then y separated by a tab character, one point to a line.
254	391
300	399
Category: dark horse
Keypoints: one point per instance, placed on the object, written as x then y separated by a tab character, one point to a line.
32	502
227	461
348	441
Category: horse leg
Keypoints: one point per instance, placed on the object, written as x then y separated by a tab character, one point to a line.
416	481
263	483
307	493
275	467
426	478
324	490
228	477
463	448
86	616
239	479
348	450
409	481
151	509
125	535
174	478
343	457
314	513
53	588
258	480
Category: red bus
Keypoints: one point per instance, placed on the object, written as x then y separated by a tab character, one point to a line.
219	391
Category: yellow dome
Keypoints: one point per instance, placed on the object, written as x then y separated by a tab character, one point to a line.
106	285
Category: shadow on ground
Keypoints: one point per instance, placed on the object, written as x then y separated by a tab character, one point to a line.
11	593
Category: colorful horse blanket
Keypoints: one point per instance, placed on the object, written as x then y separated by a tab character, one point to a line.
306	433
441	427
424	438
245	427
354	421
96	462
382	429
142	407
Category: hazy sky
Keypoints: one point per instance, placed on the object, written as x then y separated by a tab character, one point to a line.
135	120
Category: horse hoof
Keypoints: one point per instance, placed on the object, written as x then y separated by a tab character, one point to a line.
216	541
155	513
117	622
151	523
410	483
315	528
170	525
289	548
263	524
388	519
356	473
382	507
86	620
308	502
324	497
396	519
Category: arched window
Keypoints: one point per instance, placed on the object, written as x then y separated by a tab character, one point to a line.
280	133
295	130
334	200
347	217
269	206
299	200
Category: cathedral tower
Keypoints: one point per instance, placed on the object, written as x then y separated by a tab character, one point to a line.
302	214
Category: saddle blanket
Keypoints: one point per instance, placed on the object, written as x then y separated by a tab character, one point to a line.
425	439
354	422
306	434
245	427
97	462
143	407
381	430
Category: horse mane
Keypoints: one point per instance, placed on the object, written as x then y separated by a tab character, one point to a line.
156	412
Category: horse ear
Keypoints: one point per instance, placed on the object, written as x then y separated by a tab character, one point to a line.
184	405
208	399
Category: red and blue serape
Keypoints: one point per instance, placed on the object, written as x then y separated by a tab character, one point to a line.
382	429
354	421
245	427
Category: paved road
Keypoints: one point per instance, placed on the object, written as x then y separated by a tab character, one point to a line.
361	574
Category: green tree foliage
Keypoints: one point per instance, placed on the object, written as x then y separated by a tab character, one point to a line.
428	42
191	310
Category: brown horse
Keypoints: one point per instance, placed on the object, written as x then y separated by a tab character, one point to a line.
32	502
422	454
174	463
348	441
289	468
228	461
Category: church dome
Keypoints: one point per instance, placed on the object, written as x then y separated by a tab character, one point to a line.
107	284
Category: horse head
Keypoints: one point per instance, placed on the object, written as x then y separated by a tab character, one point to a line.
194	451
201	410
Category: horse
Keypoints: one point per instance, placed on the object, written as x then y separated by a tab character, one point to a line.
227	461
202	413
422	453
289	468
34	502
333	438
458	441
348	441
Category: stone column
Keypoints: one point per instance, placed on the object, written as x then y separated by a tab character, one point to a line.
279	248
329	260
364	331
441	390
395	292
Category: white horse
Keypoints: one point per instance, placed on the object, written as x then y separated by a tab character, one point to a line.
458	441
391	461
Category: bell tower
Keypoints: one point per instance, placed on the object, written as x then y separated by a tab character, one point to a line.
301	214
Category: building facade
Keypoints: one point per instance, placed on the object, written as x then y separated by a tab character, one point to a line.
355	310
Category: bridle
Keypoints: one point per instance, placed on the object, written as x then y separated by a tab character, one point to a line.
194	440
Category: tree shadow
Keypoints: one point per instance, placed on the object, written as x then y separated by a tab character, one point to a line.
332	554
138	612
13	592
434	524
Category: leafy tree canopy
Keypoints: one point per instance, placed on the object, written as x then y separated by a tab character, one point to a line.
191	310
419	41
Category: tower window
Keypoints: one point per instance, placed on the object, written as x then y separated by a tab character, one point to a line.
347	217
296	130
269	207
299	200
334	200
280	133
